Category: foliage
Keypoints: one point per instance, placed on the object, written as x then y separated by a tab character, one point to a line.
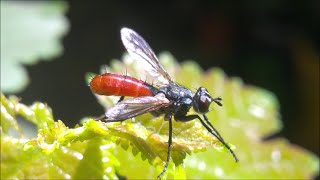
30	31
137	148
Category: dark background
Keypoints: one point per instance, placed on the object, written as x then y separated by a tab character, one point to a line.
269	43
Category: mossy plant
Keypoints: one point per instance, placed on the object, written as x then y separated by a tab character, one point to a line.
136	148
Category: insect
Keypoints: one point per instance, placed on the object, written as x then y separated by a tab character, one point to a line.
166	97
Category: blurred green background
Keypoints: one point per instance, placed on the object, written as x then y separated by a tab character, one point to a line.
270	44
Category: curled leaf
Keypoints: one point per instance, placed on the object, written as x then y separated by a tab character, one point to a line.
57	152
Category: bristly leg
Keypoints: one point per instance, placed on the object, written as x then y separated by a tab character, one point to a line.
105	119
214	129
214	132
169	147
121	99
211	129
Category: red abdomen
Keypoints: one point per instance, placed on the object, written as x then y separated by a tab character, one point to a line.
119	85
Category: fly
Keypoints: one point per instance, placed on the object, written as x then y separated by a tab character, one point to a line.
165	97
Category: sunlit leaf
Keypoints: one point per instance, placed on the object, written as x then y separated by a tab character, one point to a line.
137	148
248	115
57	152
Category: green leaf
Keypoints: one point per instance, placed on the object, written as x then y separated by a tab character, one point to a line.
248	114
30	31
58	152
7	119
137	148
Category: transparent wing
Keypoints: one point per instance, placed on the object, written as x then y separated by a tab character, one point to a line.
139	49
136	106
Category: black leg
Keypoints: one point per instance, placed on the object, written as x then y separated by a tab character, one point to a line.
186	118
105	119
213	131
169	148
218	135
121	99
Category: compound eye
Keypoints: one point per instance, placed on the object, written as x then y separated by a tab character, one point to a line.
204	104
201	104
